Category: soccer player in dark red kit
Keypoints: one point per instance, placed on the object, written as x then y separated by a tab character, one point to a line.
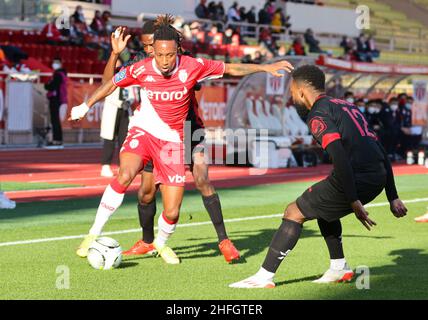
157	126
361	170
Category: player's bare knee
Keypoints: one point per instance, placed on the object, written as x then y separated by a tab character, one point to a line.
125	176
147	198
292	212
203	185
172	214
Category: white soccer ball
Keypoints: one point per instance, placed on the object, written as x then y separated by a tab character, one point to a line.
105	253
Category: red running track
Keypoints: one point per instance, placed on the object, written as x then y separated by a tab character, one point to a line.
81	167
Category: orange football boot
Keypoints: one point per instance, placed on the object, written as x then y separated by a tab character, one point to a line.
228	250
140	247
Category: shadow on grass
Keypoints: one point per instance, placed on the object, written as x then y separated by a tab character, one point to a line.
405	279
252	242
127	264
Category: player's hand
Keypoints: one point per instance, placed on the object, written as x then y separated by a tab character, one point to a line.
274	68
398	208
78	113
118	40
362	214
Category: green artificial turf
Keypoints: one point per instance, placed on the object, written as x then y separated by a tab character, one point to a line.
19	186
395	251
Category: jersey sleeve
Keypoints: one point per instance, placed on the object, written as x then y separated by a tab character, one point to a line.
125	77
323	129
210	69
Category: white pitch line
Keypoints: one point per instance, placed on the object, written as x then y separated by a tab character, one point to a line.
186	225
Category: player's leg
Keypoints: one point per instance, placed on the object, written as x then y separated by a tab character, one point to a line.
130	165
339	270
146	213
283	241
212	204
132	157
172	197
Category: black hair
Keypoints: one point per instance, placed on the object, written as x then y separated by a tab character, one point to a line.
148	27
348	93
165	30
311	75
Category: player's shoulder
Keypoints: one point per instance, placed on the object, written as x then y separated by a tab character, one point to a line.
191	61
140	67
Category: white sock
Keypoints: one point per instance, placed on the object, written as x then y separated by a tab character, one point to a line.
265	275
165	230
110	201
337	264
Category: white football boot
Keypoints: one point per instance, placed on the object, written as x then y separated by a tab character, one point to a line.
344	275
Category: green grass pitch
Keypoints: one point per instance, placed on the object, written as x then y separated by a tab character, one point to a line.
395	251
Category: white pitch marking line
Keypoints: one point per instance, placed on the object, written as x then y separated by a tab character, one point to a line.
186	225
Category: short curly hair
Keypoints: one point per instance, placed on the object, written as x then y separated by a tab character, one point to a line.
311	75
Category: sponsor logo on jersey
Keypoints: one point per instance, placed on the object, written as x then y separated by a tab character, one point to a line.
150	79
165	95
120	76
134	143
318	126
177	179
182	75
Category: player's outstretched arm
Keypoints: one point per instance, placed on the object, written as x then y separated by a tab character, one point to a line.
107	88
118	44
241	69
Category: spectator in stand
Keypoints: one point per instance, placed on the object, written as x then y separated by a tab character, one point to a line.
391	122
57	96
258	57
220	11
78	15
97	25
52	34
267	40
363	53
270	8
251	18
361	105
278	21
349	97
212	10
73	35
312	42
371	47
108	27
346	44
297	48
242	14
264	17
251	15
233	13
282	51
373	117
228	36
214	38
410	136
201	10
